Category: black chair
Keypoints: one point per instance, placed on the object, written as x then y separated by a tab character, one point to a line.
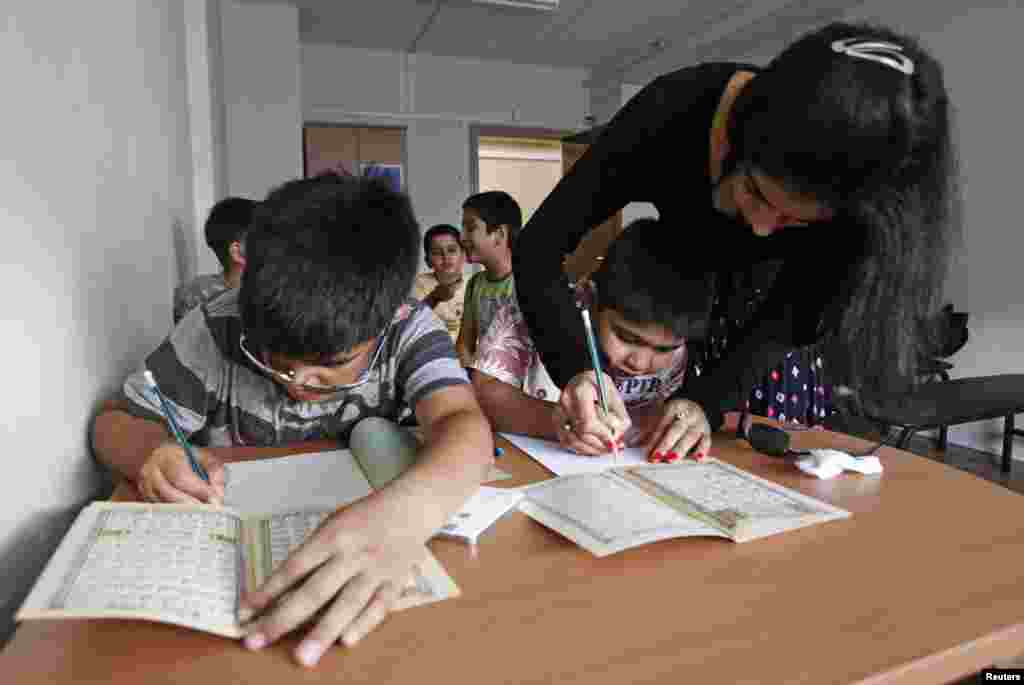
952	402
941	402
954	336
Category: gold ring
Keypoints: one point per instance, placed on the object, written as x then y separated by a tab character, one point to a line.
567	426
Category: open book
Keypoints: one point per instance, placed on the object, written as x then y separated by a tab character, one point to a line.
618	508
182	564
327	480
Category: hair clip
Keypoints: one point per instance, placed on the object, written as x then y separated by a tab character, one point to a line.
889	54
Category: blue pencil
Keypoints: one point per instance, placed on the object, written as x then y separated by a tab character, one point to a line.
197	468
595	360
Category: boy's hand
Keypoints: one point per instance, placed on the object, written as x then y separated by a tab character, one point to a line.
349	574
683	426
441	293
581	425
167	476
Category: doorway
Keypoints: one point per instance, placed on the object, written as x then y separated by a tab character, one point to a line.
525	163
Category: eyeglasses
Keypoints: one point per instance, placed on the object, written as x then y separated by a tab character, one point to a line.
290	377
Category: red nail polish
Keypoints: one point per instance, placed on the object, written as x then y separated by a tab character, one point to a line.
658	456
672	456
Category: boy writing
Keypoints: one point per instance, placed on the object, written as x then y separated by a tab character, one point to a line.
490	225
320	336
641	323
225	231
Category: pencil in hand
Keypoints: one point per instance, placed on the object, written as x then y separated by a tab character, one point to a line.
596	362
168	413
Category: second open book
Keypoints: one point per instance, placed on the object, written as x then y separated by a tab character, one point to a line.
613	509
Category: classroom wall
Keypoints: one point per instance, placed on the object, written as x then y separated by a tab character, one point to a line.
438	99
979	50
96	178
207	127
262	96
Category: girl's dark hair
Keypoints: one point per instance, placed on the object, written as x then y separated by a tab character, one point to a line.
640	280
836	117
330	259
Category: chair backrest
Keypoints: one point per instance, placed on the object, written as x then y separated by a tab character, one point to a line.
954	333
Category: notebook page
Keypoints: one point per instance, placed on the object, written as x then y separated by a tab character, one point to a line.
299	482
479	512
605	513
162	562
272	538
734	499
562	462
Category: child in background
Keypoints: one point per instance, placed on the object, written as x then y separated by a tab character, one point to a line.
444	288
321	336
225	231
490	225
642	314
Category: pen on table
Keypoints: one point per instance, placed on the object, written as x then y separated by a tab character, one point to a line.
592	346
178	435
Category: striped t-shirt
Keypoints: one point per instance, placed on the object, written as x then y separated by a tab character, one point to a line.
222	399
200	289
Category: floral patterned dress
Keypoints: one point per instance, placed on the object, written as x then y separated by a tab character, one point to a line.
795	390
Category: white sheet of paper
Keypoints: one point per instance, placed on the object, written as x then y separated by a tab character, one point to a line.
562	462
480	511
298	482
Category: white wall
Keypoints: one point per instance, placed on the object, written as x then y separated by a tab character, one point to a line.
207	127
438	99
979	49
96	178
262	96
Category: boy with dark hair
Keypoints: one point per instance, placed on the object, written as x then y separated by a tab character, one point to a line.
225	229
320	336
643	315
443	289
491	222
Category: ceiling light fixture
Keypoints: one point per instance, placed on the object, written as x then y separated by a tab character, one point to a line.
540	5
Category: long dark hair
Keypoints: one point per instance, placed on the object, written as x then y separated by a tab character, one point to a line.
857	117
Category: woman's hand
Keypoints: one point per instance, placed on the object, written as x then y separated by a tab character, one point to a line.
345	579
167	476
683	427
581	425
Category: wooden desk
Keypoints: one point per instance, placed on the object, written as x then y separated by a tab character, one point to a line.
923	584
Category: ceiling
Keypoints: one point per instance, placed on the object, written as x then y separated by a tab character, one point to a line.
635	40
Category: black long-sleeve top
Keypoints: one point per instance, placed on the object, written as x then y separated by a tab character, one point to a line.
657	150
